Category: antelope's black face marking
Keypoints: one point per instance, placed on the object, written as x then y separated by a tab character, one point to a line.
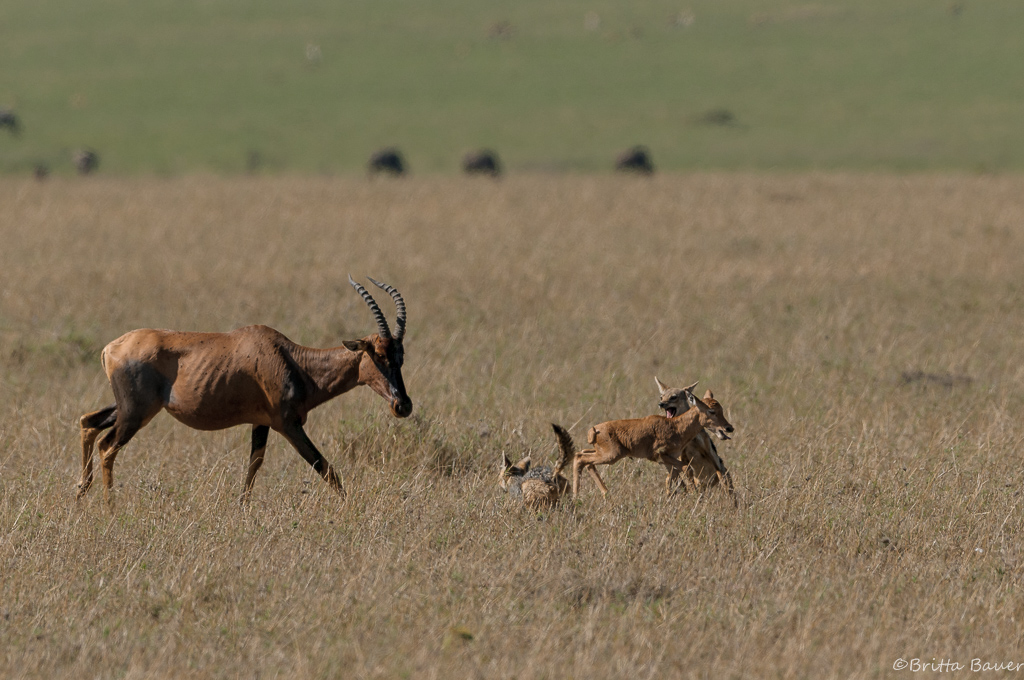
388	356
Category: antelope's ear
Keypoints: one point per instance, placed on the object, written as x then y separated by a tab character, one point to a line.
357	345
661	386
708	395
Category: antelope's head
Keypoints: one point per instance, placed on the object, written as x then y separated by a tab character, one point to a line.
676	400
380	367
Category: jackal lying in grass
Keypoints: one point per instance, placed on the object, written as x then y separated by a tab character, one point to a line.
655	438
704	467
538	487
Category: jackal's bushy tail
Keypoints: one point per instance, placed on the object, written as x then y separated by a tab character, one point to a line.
567	451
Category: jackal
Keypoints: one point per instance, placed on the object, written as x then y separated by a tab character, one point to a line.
538	487
654	438
704	467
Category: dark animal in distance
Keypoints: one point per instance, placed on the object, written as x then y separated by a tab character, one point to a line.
482	162
636	159
250	376
722	117
9	120
86	161
387	160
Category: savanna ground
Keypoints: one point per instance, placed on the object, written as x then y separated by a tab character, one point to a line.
862	332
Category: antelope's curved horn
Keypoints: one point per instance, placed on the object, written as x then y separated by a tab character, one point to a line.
399	306
382	323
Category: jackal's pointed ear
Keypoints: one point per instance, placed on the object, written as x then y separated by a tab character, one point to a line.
506	471
524	464
661	386
708	395
691	399
690	388
357	345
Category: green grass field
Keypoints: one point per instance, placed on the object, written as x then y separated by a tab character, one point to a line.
863	332
170	87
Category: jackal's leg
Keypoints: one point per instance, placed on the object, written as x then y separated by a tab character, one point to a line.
296	436
92	424
259	447
727	483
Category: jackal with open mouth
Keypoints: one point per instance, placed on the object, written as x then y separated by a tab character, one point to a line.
704	467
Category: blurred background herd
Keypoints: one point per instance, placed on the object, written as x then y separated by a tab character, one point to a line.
170	87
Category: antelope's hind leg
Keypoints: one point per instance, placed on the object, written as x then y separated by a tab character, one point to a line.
139	392
112	442
92	424
579	462
590	458
597	479
259	447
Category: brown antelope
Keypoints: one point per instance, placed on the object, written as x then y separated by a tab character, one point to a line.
250	376
655	438
704	467
538	487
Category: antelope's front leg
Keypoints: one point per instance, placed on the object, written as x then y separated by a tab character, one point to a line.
673	467
259	448
296	436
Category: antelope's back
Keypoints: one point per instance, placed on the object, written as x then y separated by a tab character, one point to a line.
208	381
630	433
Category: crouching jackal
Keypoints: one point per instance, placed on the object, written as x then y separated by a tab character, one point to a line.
538	487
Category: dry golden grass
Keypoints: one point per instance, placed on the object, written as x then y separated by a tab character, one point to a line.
880	515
